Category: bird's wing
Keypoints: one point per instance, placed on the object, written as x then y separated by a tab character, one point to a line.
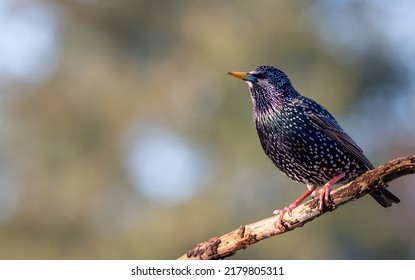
332	129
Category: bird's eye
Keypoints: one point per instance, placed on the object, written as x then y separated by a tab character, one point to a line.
258	75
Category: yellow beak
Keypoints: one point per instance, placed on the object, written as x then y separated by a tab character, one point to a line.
239	75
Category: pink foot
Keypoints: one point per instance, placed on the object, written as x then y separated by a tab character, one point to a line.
281	214
292	206
326	189
324	196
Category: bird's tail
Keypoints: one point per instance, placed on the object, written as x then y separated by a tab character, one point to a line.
384	197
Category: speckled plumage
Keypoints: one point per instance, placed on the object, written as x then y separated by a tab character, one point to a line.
301	137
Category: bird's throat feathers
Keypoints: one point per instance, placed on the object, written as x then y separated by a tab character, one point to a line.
266	108
266	112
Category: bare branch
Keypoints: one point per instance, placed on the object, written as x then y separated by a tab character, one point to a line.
227	244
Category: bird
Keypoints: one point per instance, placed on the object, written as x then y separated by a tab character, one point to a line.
303	140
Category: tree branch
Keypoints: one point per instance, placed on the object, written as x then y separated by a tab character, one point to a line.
227	244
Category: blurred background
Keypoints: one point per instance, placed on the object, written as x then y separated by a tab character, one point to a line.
122	137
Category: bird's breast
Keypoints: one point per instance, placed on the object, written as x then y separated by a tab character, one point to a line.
300	150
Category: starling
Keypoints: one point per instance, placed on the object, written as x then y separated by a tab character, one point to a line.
303	139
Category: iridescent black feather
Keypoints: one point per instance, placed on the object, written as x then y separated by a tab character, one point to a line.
301	137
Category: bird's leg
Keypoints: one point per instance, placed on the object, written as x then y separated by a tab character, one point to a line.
293	205
325	190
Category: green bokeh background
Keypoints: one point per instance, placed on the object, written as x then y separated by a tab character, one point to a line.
125	69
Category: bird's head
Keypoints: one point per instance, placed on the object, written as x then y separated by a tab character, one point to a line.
268	85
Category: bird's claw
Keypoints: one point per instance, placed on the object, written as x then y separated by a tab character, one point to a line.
324	197
283	211
281	214
326	190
